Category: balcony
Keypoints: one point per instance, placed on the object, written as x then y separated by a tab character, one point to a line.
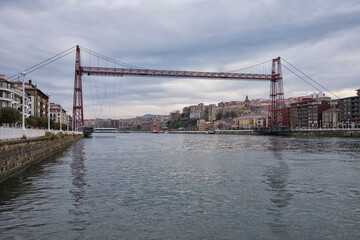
5	99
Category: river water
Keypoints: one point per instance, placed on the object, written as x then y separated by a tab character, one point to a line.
165	186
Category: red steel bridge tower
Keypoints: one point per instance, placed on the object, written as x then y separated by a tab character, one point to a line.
276	111
78	108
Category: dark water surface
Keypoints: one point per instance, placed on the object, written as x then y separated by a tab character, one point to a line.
149	186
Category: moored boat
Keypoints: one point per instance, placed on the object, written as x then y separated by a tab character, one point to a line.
105	132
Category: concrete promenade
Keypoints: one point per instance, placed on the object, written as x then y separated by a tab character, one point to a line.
16	155
18	133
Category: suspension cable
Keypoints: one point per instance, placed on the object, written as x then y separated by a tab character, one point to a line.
310	78
237	70
302	78
50	62
46	62
109	59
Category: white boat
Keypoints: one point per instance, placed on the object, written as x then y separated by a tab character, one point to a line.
105	132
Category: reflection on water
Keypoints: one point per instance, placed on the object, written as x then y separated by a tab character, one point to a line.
277	179
164	186
22	183
78	171
78	191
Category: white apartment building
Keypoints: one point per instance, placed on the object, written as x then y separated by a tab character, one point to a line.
12	96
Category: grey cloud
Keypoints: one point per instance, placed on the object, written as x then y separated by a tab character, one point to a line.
318	36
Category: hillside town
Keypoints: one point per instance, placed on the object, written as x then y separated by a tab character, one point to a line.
312	111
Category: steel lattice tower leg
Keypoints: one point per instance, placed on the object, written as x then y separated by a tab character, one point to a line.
78	111
276	111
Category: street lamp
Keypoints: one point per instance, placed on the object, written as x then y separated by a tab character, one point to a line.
60	117
49	112
67	124
23	100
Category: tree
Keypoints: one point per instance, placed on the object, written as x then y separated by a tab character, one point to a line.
41	122
31	121
10	115
38	122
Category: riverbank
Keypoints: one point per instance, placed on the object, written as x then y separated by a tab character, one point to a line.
292	133
16	155
325	133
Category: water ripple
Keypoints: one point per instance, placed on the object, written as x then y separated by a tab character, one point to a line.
149	186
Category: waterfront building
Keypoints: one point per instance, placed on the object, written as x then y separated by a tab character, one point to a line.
155	127
69	120
263	109
212	112
310	112
57	113
11	96
114	123
350	111
195	115
202	125
252	120
293	116
38	100
196	111
221	124
331	118
89	122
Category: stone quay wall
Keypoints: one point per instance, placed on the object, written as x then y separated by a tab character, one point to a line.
16	155
326	133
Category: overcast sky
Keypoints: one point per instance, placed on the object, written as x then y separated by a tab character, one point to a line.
321	38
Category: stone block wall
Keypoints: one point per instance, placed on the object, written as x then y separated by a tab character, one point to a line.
18	154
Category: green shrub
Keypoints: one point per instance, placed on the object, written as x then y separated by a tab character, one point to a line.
10	115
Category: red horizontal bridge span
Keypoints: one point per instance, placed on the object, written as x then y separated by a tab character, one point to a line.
101	71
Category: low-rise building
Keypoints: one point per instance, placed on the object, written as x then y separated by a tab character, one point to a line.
331	118
219	124
155	127
293	116
202	125
350	111
38	100
57	113
252	120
